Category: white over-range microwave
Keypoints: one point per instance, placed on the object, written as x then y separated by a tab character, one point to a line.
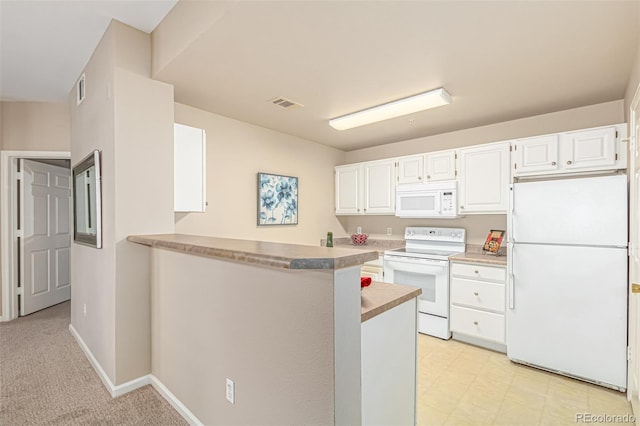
427	200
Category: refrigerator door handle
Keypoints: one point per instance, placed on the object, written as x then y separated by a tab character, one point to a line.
510	236
511	276
511	199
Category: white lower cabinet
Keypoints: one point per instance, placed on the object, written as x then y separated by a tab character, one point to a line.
478	299
389	347
373	269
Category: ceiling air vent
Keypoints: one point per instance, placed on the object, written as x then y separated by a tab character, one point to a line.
285	103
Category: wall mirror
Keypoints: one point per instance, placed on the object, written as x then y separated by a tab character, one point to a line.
87	201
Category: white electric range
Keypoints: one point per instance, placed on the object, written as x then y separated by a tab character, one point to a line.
423	262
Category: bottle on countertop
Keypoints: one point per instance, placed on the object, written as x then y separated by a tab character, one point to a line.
329	239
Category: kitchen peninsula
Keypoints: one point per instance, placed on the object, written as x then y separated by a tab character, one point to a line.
281	321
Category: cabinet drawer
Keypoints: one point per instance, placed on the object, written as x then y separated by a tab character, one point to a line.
481	272
484	325
478	294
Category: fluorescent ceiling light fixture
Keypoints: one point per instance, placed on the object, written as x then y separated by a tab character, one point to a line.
420	102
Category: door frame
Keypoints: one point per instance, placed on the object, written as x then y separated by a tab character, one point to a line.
8	238
633	107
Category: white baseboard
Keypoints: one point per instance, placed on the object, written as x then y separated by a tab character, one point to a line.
114	390
119	390
175	402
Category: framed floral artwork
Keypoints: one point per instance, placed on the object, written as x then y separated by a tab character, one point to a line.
277	199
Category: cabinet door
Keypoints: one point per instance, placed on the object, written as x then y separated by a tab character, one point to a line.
379	187
441	165
373	272
411	169
348	188
589	149
533	155
484	179
190	171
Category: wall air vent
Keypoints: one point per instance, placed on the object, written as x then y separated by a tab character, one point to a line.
285	103
80	90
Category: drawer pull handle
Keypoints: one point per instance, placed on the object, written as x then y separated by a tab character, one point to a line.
475	323
476	271
475	293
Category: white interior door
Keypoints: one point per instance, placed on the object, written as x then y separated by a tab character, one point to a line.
45	198
633	384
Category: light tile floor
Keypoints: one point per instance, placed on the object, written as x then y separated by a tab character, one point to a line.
461	384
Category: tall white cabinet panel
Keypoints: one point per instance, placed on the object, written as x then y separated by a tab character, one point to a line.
483	184
380	189
589	148
441	165
348	187
535	154
411	169
190	169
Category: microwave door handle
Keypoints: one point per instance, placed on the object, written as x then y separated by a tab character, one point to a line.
438	203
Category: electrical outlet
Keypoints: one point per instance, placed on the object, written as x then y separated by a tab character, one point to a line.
389	231
231	393
84	309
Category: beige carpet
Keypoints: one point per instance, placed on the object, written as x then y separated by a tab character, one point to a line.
45	379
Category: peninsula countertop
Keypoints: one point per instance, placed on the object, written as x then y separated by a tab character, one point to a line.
269	254
379	297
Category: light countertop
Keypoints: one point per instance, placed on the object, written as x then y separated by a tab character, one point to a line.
380	297
474	254
277	255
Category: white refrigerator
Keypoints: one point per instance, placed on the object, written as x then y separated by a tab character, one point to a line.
567	296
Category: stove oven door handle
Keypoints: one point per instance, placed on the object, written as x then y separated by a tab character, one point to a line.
392	258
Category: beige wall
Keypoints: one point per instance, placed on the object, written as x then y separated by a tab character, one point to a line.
236	152
93	270
269	330
634	79
143	205
35	126
477	226
129	117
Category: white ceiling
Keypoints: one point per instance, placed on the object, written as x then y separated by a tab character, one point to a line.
45	44
500	60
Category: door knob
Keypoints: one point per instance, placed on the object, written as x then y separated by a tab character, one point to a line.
553	163
635	288
569	162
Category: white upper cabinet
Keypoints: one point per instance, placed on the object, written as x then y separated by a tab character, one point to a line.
411	169
190	168
539	154
380	187
348	187
366	188
570	152
589	149
483	181
441	165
